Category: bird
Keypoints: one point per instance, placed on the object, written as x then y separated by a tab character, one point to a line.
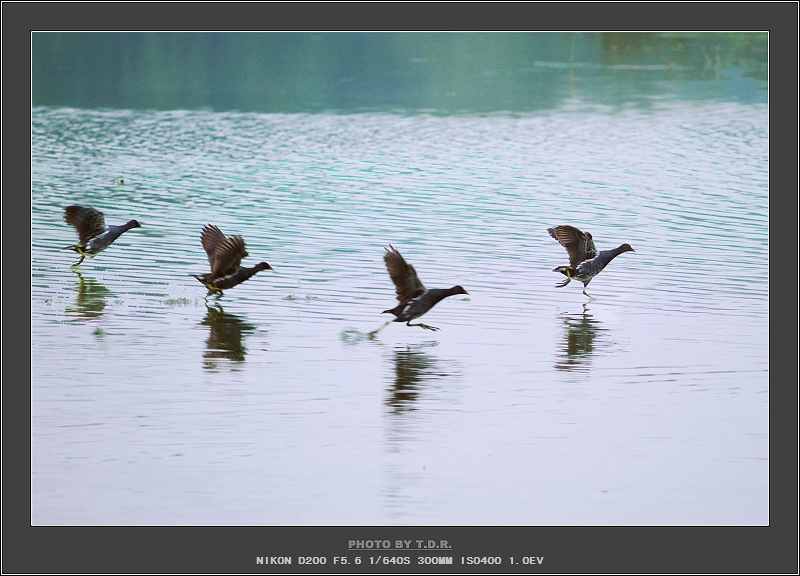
93	235
225	257
415	300
585	262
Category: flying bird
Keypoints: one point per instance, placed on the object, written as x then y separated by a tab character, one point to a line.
415	300
585	262
225	257
93	235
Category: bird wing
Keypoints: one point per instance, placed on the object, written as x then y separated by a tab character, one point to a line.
210	239
579	245
87	221
406	282
228	256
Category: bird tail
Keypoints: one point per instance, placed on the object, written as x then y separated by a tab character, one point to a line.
396	310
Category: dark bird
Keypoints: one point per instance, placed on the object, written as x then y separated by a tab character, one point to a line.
225	257
93	235
415	300
585	262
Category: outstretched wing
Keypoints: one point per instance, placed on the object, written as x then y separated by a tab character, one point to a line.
210	239
224	254
87	221
407	283
228	256
579	245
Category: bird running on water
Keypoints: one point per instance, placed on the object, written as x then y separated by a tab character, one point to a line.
585	262
225	257
415	300
93	235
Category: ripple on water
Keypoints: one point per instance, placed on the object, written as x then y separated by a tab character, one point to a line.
261	378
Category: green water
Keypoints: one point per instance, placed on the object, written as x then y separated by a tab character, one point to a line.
434	72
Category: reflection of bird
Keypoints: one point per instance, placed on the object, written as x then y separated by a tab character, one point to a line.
415	300
225	257
91	299
585	262
226	332
93	235
579	344
411	368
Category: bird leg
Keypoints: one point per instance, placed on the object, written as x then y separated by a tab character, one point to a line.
564	283
587	294
566	272
215	292
375	332
434	328
79	249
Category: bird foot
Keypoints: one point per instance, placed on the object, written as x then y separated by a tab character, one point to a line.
564	283
426	327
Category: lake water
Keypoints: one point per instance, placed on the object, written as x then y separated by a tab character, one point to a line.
533	405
